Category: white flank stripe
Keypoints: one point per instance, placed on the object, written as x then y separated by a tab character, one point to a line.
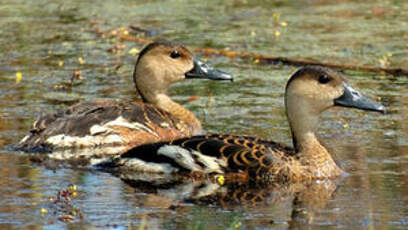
120	121
24	139
180	155
86	141
212	164
93	155
208	189
142	166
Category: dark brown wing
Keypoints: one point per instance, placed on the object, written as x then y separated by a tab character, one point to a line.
252	142
100	123
242	153
231	153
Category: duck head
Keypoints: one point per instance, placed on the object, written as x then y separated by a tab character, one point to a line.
163	63
320	88
312	90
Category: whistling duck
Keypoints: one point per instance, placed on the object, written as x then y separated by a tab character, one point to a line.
107	123
309	92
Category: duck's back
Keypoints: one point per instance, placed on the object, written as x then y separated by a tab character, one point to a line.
104	123
212	153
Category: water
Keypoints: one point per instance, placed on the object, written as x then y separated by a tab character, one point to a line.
44	40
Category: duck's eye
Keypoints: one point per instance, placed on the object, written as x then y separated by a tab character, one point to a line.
324	79
175	54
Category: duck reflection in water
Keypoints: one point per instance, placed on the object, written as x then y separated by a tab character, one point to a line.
299	201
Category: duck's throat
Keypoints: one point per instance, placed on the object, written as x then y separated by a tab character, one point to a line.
317	161
313	156
167	104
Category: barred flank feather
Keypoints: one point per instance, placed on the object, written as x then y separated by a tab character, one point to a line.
215	154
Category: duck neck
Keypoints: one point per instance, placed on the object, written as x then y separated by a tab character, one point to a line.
152	89
311	153
164	102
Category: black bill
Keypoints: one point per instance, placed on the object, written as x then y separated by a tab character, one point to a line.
203	70
354	99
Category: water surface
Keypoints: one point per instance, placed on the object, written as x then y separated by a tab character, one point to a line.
44	40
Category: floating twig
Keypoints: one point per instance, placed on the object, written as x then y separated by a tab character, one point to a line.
263	59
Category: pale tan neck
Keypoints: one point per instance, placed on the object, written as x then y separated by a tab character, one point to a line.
303	122
149	81
152	87
311	150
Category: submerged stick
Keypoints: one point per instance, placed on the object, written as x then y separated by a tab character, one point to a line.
273	60
263	59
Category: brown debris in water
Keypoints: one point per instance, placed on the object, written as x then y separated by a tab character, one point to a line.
61	206
123	34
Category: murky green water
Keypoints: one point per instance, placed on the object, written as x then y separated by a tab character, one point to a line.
44	39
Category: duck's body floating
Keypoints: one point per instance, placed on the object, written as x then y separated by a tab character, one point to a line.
106	123
309	92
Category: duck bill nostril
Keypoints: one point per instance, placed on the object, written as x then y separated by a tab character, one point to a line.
354	99
205	71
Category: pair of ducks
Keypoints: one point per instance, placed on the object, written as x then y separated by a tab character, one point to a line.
161	136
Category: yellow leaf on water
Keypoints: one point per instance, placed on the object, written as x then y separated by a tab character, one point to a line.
384	61
19	77
345	126
134	51
81	61
43	210
276	16
237	225
283	24
73	187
